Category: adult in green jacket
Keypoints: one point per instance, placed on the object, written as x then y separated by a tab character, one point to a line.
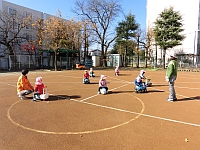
171	75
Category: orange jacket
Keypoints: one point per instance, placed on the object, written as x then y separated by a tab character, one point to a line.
23	84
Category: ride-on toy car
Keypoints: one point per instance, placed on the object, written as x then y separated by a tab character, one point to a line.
140	88
86	81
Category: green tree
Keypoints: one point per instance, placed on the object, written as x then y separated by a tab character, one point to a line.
168	28
126	30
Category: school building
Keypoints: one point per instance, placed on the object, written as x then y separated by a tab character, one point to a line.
190	13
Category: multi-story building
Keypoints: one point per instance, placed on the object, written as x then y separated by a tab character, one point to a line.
27	32
190	13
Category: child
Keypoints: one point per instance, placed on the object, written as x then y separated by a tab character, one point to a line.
103	83
38	89
24	87
86	76
138	80
91	73
116	71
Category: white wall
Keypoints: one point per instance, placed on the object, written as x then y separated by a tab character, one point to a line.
190	12
96	61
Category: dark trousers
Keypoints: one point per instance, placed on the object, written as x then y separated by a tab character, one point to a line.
26	92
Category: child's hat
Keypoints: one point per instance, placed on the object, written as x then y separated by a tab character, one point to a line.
103	77
38	81
142	71
85	70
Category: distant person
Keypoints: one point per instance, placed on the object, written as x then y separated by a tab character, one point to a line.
91	73
86	77
171	75
24	87
116	70
38	89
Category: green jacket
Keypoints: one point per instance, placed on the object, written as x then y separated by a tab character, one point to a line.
172	68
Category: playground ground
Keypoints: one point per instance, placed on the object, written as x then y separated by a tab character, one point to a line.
76	118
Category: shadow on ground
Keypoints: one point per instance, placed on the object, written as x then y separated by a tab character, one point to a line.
154	91
93	83
116	92
148	91
63	97
189	98
160	85
125	74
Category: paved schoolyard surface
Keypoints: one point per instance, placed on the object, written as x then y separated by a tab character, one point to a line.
76	118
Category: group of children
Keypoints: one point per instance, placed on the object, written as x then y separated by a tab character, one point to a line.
24	87
102	81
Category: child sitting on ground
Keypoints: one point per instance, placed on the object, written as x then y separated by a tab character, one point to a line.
24	87
103	83
91	73
116	71
85	76
140	77
38	89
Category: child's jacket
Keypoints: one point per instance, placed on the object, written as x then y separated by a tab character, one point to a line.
39	88
39	85
86	75
102	83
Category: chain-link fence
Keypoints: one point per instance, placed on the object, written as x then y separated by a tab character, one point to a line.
28	61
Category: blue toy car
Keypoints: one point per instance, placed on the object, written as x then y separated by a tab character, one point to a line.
86	81
140	88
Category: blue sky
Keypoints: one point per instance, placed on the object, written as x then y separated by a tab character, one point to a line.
136	7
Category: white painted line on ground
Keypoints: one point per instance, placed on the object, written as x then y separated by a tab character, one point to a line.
145	115
98	94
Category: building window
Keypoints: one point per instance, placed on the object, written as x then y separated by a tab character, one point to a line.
12	11
26	15
28	37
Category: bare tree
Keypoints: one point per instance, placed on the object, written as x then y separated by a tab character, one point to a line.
11	28
101	13
146	40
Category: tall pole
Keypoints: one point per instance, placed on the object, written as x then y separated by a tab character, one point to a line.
194	46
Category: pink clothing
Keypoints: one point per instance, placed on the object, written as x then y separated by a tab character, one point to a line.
39	85
38	81
102	81
117	70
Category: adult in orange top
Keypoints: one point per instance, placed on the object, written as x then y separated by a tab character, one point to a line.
24	87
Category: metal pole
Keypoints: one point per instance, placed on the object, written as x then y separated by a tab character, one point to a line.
194	46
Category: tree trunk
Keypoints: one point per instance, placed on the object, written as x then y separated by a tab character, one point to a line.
55	60
156	57
138	60
146	57
164	52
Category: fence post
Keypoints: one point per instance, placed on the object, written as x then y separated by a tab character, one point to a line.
67	61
